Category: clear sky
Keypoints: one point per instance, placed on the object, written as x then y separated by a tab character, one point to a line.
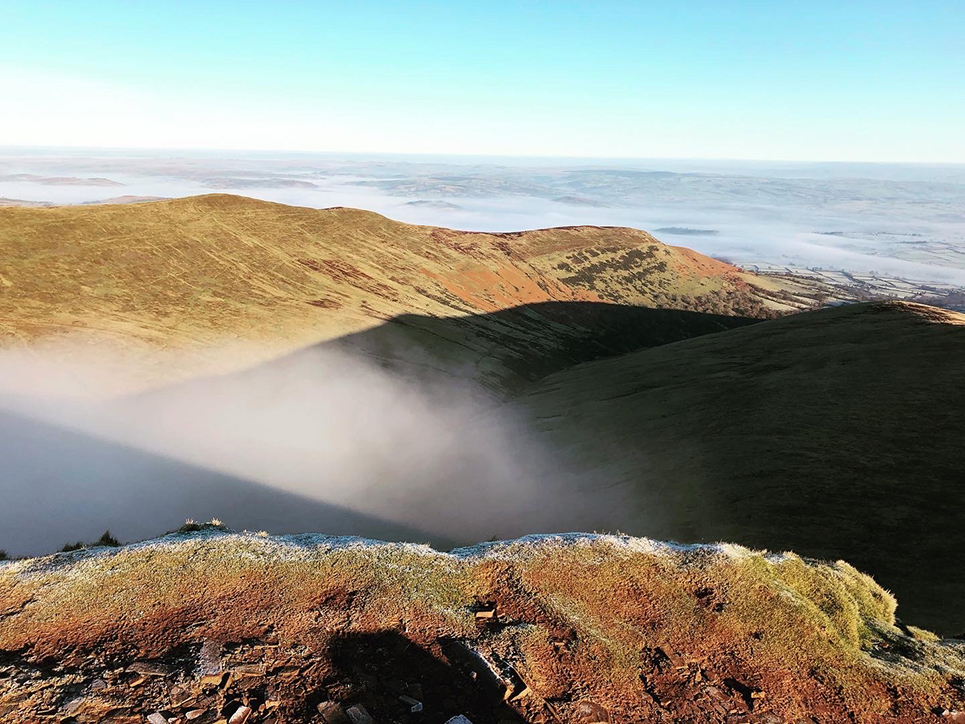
846	80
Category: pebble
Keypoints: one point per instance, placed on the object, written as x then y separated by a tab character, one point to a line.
241	715
148	668
415	704
359	715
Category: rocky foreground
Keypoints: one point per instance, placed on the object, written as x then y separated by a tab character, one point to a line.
212	626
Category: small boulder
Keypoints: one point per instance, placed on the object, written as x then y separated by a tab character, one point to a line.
73	705
209	658
359	715
589	712
415	706
333	713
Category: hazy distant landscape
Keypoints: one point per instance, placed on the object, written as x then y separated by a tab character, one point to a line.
878	221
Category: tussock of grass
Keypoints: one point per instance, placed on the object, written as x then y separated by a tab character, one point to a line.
192	526
106	539
922	635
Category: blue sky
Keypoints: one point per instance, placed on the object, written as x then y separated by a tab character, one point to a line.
849	81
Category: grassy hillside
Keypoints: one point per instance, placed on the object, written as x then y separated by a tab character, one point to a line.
187	275
201	626
835	433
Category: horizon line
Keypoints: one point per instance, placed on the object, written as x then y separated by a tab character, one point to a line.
439	154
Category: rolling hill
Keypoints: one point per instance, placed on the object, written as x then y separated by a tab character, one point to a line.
188	275
770	435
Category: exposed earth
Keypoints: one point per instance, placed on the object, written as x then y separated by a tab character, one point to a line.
209	626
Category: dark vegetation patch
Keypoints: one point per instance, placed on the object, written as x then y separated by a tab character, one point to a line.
106	539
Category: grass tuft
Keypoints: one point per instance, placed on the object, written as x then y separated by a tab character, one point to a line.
106	539
192	526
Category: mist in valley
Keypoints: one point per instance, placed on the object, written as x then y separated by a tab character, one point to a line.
330	441
319	441
899	220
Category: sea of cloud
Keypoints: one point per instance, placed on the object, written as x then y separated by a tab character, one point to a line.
756	210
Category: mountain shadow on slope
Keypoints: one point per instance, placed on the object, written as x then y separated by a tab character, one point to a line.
403	420
507	350
61	485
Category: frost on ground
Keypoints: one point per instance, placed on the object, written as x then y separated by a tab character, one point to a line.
210	625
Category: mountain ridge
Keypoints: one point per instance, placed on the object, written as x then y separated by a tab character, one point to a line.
203	271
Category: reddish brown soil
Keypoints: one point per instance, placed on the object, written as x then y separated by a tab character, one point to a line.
228	629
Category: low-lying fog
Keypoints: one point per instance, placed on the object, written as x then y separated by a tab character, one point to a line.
329	443
897	220
319	441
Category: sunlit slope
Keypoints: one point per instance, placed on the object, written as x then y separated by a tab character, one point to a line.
186	274
837	433
575	628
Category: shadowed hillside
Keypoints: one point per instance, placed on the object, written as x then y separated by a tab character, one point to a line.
835	433
390	421
504	351
186	275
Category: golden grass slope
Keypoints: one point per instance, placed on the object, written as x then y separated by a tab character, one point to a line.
637	630
835	433
185	274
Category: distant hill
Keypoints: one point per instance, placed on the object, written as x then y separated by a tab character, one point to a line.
21	202
257	183
60	180
686	231
186	274
128	199
434	204
581	201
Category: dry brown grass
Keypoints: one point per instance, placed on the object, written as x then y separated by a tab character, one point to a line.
187	274
638	627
